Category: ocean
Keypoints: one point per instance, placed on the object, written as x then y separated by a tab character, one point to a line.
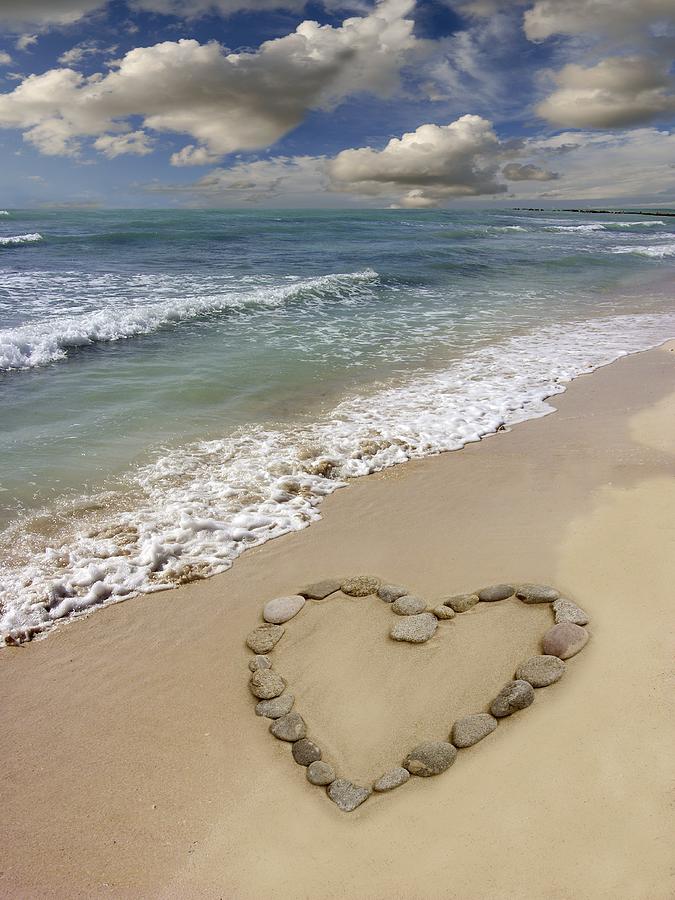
179	386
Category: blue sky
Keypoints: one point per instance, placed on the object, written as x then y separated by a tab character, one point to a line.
361	103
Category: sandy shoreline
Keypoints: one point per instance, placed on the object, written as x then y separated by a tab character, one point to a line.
133	765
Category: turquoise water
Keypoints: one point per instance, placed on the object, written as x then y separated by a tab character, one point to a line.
177	386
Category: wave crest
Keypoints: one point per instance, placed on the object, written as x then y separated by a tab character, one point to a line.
20	239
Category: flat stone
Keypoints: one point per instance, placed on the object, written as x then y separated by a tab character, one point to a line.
430	758
444	612
391	592
266	684
346	795
566	611
496	592
468	731
414	629
537	593
263	638
290	727
276	707
408	605
391	780
360	585
513	696
282	608
541	671
320	773
305	752
259	662
320	589
461	602
564	640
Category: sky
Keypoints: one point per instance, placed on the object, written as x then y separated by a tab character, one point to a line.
410	104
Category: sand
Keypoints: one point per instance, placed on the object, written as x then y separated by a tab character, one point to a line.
133	765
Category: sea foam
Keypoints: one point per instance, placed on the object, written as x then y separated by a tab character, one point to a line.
43	342
655	251
204	504
20	239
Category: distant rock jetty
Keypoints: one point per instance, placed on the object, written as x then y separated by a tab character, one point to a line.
603	212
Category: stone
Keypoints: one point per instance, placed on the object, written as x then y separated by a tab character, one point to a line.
566	611
408	605
390	780
496	592
391	592
430	758
290	727
541	671
537	593
320	589
259	662
360	585
282	609
263	638
564	640
414	629
468	731
266	684
320	773
276	707
461	602
513	696
444	612
346	795
305	752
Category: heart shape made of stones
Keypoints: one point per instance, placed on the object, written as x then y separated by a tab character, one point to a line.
414	623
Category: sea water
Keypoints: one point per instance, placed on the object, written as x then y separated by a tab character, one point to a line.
176	387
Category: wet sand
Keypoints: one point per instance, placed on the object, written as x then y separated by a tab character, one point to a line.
133	765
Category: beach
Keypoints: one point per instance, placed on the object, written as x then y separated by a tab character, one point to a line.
134	766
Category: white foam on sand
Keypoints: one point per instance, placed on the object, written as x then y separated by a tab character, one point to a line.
204	504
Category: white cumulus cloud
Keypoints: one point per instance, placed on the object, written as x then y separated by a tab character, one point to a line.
426	166
137	143
223	101
616	93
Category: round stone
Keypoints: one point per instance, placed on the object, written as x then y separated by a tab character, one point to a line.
266	684
360	585
430	758
537	593
320	773
290	727
564	640
408	605
468	731
461	602
513	696
390	780
276	707
259	662
346	795
305	752
282	609
414	629
391	592
541	671
566	611
496	592
444	612
321	589
263	638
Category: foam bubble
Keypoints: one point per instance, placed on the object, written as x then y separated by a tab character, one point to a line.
204	504
655	251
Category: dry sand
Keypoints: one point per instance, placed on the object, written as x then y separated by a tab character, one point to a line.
133	765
